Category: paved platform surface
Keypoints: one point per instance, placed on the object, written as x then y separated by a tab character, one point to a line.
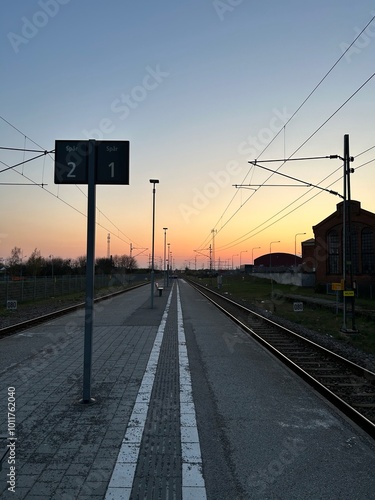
187	406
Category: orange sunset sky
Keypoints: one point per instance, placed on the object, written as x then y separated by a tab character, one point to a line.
198	94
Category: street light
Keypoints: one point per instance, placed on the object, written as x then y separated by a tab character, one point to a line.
295	250
252	253
165	245
271	266
235	255
169	249
242	251
153	182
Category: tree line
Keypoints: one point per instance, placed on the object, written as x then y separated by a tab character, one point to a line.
35	264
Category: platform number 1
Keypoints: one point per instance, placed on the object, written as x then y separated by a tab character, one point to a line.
112	167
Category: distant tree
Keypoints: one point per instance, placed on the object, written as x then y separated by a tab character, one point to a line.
56	266
79	264
15	261
104	265
124	263
35	263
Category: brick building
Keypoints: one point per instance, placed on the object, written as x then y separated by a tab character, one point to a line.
324	253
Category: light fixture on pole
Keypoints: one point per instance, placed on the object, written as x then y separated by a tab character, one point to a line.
235	255
295	249
168	257
271	266
153	182
242	251
165	246
252	253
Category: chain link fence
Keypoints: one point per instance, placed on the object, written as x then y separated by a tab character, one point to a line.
38	288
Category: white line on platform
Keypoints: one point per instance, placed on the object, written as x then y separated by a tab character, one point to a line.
193	485
120	485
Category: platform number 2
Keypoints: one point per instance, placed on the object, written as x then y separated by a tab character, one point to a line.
73	167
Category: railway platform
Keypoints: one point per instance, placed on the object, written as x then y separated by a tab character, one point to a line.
187	406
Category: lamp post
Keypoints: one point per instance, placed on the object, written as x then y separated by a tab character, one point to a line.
252	254
271	266
242	251
51	257
153	182
235	255
169	249
53	281
165	246
295	249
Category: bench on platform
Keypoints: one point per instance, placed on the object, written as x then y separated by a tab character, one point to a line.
159	289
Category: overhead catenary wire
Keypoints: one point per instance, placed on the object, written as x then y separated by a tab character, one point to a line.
66	203
245	236
22	162
284	129
305	142
42	185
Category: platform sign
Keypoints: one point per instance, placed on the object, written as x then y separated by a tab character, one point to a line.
71	162
112	162
91	162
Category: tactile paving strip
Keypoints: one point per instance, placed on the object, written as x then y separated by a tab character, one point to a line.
158	473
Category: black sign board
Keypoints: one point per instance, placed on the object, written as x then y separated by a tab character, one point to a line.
111	162
71	162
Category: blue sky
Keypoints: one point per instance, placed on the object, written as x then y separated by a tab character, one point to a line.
197	88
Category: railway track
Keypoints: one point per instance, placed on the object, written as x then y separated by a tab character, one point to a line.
9	330
348	386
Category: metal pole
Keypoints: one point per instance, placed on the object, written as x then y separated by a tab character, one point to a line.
295	250
349	223
153	182
344	218
271	267
169	248
90	274
165	249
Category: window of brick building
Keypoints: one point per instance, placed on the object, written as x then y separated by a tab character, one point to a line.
333	252
354	251
368	255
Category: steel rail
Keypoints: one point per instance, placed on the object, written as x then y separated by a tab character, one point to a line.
9	330
362	421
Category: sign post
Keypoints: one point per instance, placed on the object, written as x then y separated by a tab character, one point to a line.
90	276
91	162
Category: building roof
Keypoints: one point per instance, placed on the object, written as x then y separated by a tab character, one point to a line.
356	210
310	241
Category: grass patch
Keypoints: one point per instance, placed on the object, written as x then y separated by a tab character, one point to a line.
274	298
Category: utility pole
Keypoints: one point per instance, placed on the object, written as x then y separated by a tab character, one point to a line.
346	245
347	250
108	245
213	231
